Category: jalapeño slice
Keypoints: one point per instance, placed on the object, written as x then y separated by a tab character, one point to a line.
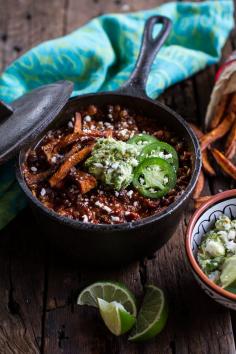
154	177
142	140
162	150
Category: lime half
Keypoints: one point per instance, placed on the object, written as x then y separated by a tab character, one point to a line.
109	292
228	275
152	316
115	317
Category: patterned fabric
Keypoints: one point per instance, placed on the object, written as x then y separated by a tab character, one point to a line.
100	56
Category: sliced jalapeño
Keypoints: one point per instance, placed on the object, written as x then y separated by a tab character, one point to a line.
162	150
154	177
142	140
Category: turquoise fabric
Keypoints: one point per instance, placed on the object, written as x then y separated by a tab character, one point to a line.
100	56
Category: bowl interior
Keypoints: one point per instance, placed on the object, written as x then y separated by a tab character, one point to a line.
163	115
207	220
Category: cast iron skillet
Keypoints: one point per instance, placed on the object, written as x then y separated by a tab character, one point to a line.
118	244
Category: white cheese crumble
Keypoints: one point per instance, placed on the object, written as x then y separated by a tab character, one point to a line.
54	159
115	218
215	248
87	118
43	192
130	193
102	206
231	234
85	218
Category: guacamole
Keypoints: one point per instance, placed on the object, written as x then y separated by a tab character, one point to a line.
217	252
112	162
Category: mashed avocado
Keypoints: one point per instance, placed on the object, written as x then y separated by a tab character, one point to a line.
217	252
112	162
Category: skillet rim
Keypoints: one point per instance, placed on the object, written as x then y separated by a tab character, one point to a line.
76	224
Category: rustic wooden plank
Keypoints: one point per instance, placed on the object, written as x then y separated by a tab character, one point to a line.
27	25
83	328
72	328
79	12
21	289
22	265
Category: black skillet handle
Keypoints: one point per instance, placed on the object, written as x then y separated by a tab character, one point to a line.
136	84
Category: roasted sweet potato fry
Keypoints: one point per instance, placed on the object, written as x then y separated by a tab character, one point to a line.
199	186
218	132
78	123
48	149
71	138
32	179
230	145
232	105
206	164
205	161
92	110
85	181
227	166
220	109
199	201
64	169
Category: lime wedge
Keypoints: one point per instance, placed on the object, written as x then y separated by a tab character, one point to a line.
108	291
152	316
228	275
115	317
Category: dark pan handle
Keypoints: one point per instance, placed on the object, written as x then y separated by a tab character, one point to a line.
136	84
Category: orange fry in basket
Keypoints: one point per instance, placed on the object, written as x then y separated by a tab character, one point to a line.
205	161
199	186
206	164
78	123
199	201
64	169
230	145
227	166
232	105
220	109
218	132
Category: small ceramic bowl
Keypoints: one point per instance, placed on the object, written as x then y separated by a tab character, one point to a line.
201	222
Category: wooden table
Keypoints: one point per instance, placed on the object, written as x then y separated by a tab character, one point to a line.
37	292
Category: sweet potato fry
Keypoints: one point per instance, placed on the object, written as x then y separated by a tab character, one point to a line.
231	142
218	132
199	201
85	181
92	110
71	138
48	149
227	166
32	179
232	105
64	169
206	164
205	161
199	186
78	123
220	109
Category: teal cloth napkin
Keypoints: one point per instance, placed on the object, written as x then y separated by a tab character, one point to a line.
100	56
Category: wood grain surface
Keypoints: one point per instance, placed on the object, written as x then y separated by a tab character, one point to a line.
38	291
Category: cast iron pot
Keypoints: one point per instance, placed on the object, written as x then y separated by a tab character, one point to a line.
118	244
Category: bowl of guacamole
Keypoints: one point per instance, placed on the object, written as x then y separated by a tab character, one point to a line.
211	247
